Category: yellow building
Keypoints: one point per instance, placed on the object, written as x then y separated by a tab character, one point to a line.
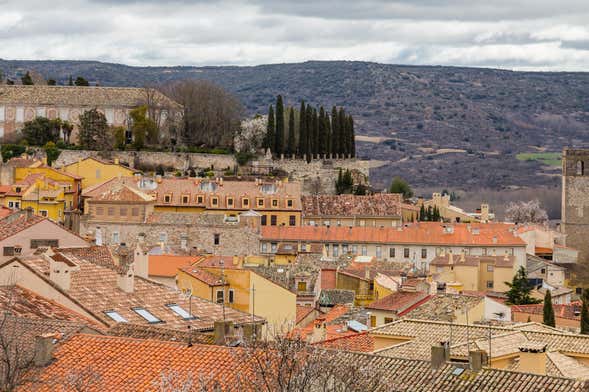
95	171
74	182
450	213
224	280
45	196
473	273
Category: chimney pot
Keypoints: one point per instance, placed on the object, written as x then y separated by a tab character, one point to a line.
440	355
477	359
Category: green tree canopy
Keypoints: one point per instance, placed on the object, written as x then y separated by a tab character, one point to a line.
94	131
548	310
279	139
519	289
398	185
585	312
144	129
52	152
27	80
80	81
41	130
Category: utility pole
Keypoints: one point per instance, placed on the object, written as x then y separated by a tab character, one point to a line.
467	331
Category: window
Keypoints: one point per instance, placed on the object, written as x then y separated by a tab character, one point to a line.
116	316
490	268
135	211
273	220
406	253
275	203
43	213
489	284
378	252
264	220
245	202
364	250
111	211
355	249
163	237
231	296
578	290
373	321
327	250
339	223
219	296
273	247
214	201
335	250
17	204
8	251
362	222
311	223
423	253
180	311
10	204
168	198
326	223
344	249
185	199
260	202
44	243
292	220
302	286
388	320
147	315
115	237
200	199
289	203
123	211
580	168
392	253
216	239
264	247
230	202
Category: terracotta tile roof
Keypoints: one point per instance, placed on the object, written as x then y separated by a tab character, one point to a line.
570	311
437	306
374	268
5	211
125	364
328	278
168	265
141	331
334	327
203	275
377	205
97	254
302	313
14	226
431	233
397	302
333	297
468	260
567	366
95	288
93	96
360	342
118	189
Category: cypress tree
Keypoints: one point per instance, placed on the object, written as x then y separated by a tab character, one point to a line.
316	135
270	130
422	213
290	147
321	132
352	136
343	137
279	140
327	128
310	137
548	310
334	131
302	129
585	312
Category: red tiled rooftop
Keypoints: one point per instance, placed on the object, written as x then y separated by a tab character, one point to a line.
302	313
202	275
434	233
8	229
328	279
567	311
168	265
397	302
359	342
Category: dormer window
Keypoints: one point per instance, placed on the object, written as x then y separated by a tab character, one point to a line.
214	201
147	315
116	316
275	203
185	199
200	199
245	202
230	202
260	202
18	189
168	198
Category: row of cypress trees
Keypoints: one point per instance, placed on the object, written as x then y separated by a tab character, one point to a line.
309	131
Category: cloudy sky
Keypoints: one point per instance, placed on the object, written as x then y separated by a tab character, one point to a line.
511	34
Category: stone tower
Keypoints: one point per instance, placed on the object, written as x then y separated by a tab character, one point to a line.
575	200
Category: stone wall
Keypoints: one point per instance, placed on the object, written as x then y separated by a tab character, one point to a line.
198	230
149	159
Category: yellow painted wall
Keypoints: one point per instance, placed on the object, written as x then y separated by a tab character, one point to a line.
468	276
475	314
284	259
198	288
381	341
381	291
274	303
95	172
380	315
501	276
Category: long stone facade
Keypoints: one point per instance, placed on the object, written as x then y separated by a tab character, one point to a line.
575	200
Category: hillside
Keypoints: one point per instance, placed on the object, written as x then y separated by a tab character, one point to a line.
454	127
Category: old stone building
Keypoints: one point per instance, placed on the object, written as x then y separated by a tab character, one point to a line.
19	104
575	200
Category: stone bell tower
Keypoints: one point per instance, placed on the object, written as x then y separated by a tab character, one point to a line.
575	200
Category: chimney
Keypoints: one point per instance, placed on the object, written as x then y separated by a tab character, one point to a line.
462	256
450	257
125	270
141	261
484	213
223	330
251	331
440	355
477	359
29	212
44	345
532	358
60	270
319	330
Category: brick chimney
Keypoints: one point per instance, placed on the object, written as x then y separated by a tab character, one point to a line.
484	213
60	270
532	358
125	269
477	359
440	355
141	261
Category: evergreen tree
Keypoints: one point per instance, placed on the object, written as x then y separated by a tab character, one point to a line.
343	138
270	130
352	136
316	142
290	147
430	214
80	81
548	310
302	129
344	182
422	216
70	81
519	289
585	312
310	124
398	185
334	132
27	80
327	128
279	140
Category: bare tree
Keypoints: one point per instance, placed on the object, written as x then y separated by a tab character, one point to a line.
211	115
526	212
290	364
15	361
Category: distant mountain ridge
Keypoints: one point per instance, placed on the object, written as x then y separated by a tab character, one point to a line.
437	125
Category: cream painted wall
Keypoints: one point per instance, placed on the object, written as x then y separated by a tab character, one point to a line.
43	230
274	303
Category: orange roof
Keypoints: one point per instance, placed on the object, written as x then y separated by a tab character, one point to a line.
124	364
303	312
397	302
541	250
204	276
433	233
333	330
168	265
328	278
5	211
569	311
360	342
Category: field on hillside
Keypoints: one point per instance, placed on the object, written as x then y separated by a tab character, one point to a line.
547	158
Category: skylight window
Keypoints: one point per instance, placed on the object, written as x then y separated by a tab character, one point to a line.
180	312
147	315
116	316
